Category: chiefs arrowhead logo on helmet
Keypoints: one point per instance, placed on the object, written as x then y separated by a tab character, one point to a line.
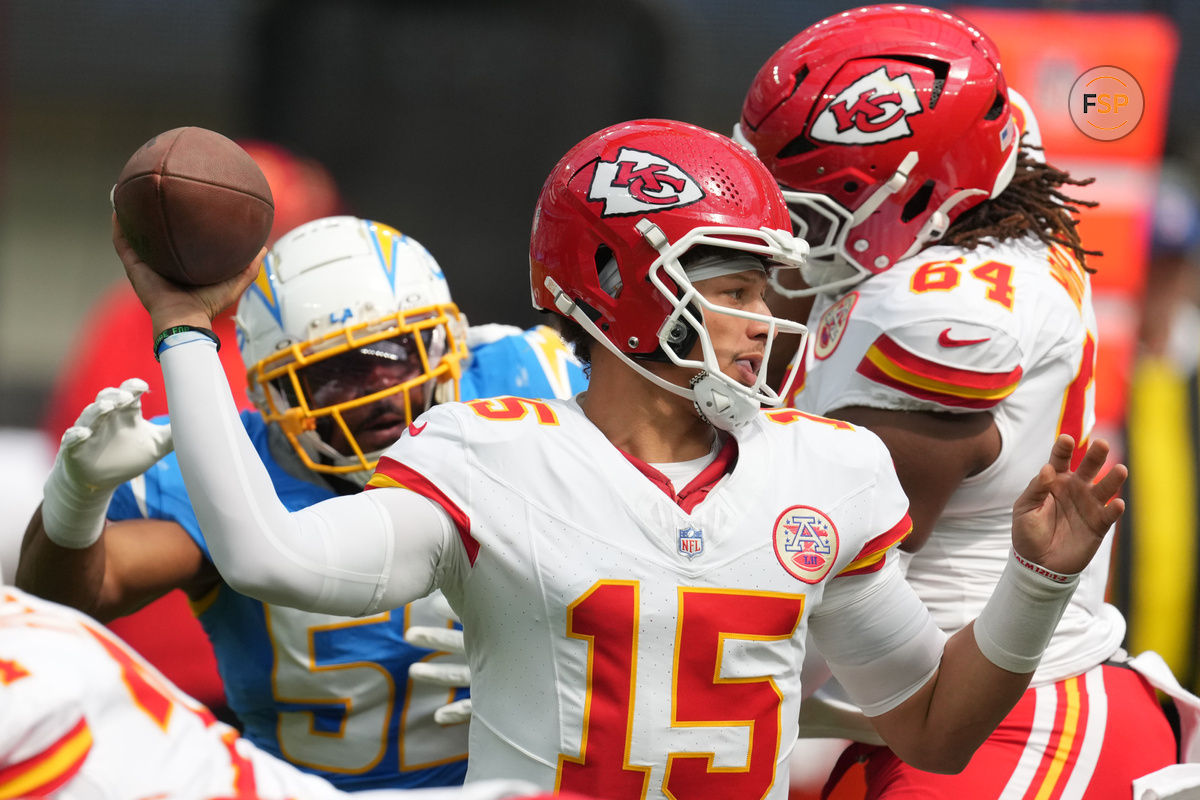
639	182
875	108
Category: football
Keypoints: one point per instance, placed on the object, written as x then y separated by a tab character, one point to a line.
193	205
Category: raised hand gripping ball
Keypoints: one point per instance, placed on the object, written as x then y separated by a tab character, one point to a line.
193	205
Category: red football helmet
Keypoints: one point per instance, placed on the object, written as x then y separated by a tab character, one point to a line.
614	218
883	125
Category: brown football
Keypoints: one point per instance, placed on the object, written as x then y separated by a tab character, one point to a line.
194	205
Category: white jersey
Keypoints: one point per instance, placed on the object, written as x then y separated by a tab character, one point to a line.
1006	329
630	640
83	716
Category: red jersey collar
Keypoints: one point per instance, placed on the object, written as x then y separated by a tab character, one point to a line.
699	487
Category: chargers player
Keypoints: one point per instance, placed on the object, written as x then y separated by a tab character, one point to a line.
347	335
953	317
636	568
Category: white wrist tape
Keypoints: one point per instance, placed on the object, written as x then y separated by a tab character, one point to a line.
1019	618
72	514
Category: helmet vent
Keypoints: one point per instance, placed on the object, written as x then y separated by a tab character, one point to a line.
796	147
800	75
940	70
720	183
608	275
917	204
997	107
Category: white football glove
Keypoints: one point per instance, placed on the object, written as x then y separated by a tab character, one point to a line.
109	444
449	640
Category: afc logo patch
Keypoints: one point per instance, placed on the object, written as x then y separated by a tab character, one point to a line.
832	325
873	109
639	183
691	542
806	543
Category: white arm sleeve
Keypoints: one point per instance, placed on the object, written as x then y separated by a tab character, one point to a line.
880	641
349	555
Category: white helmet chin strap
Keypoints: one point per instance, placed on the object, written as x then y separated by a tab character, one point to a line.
720	400
717	402
720	407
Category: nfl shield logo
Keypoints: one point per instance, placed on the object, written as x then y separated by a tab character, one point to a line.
691	542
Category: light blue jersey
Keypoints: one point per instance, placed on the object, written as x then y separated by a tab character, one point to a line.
331	694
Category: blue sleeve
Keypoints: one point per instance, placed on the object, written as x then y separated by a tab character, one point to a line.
536	363
158	493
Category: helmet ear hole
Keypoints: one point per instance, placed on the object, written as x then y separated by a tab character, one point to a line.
797	147
917	204
997	107
608	273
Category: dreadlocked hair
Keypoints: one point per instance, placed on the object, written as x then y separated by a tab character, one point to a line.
1031	203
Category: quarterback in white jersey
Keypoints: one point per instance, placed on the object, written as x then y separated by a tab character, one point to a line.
698	596
637	568
953	317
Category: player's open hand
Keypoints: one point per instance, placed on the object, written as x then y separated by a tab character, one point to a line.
111	443
1061	518
450	671
171	303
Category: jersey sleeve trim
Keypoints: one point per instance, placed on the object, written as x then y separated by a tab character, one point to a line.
889	364
50	769
871	557
391	473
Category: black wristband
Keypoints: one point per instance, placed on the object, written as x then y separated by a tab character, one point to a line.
162	337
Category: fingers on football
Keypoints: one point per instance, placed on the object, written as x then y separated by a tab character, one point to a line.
120	243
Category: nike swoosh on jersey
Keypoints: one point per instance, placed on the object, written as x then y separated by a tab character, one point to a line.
945	341
415	429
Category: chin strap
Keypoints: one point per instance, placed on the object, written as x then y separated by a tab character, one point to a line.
715	403
721	408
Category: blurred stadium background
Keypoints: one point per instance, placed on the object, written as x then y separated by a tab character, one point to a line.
443	118
440	118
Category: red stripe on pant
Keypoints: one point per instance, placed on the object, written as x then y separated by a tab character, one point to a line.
1035	755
